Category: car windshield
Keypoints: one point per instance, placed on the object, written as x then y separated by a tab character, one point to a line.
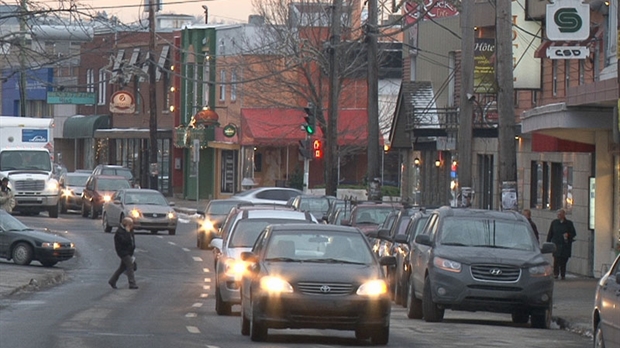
314	205
25	160
480	232
324	247
147	198
76	180
371	215
246	231
9	223
111	184
125	173
220	207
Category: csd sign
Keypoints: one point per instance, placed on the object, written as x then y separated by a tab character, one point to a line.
568	20
567	52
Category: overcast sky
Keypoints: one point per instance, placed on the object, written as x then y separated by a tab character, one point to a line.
219	10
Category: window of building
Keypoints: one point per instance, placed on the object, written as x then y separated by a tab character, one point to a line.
233	86
90	80
554	73
102	90
228	171
223	85
551	186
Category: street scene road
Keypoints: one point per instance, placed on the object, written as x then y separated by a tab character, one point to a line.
175	307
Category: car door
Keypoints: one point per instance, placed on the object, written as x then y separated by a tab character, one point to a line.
115	208
610	312
421	256
87	194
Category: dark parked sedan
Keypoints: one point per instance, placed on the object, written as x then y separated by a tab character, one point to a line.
606	315
314	276
23	245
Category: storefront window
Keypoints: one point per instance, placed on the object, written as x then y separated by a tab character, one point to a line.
228	171
551	186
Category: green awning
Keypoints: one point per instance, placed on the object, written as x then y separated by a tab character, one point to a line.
83	127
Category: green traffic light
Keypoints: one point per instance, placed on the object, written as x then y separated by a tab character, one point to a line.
309	129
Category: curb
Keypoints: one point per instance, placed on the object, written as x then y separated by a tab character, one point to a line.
43	282
580	329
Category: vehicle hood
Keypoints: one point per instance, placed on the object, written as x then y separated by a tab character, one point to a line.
323	272
367	228
43	236
477	255
145	208
27	174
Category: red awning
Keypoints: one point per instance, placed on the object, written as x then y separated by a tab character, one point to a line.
282	127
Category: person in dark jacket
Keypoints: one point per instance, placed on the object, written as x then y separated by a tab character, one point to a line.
561	233
124	243
528	215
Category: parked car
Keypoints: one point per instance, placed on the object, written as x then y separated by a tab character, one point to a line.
606	314
368	216
334	205
314	276
314	204
481	260
23	244
148	209
110	169
72	184
98	190
272	195
242	228
211	219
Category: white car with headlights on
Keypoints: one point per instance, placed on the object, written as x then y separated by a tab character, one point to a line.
148	209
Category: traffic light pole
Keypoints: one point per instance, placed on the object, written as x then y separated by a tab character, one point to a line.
306	168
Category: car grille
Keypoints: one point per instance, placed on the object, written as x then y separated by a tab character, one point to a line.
154	215
316	288
495	273
29	185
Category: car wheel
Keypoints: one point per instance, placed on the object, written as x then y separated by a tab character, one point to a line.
245	322
431	311
380	336
106	227
414	305
22	254
362	334
221	307
541	319
84	211
93	212
599	341
49	263
520	317
398	298
54	210
258	330
63	206
172	232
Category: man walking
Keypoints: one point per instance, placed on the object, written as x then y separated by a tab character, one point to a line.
561	233
528	215
124	243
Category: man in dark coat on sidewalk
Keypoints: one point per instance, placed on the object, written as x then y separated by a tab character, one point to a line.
124	243
561	233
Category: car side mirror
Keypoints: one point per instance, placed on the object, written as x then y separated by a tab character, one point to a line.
384	233
372	234
547	248
216	243
423	239
387	261
172	204
345	222
401	238
117	201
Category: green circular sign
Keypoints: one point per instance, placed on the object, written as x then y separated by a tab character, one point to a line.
230	130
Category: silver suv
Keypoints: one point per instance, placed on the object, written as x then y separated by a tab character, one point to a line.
238	234
480	260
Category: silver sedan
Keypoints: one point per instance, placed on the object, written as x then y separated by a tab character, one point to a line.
148	209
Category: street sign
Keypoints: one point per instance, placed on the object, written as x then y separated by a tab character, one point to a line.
568	52
78	98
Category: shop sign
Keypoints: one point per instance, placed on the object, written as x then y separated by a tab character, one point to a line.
122	102
568	20
568	52
230	130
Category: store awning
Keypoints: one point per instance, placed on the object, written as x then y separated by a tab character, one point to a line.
84	127
282	127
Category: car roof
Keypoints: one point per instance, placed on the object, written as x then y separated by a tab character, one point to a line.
138	190
106	176
77	174
116	166
484	213
315	227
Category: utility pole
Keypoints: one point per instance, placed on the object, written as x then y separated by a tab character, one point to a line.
22	58
153	148
373	96
505	94
465	104
331	160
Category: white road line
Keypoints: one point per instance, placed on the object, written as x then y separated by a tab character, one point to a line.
185	249
197	305
160	237
204	295
197	259
206	287
172	243
190	315
193	329
207	280
206	270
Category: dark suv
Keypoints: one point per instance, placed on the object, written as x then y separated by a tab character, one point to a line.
480	260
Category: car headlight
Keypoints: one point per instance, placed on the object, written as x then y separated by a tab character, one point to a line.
447	265
235	268
207	225
275	285
107	198
373	288
67	193
52	185
541	271
172	215
135	213
51	245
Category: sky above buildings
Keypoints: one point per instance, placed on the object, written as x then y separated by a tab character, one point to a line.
129	11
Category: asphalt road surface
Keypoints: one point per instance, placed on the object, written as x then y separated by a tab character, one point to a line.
175	307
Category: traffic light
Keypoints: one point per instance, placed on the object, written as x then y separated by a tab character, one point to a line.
317	149
304	149
310	118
